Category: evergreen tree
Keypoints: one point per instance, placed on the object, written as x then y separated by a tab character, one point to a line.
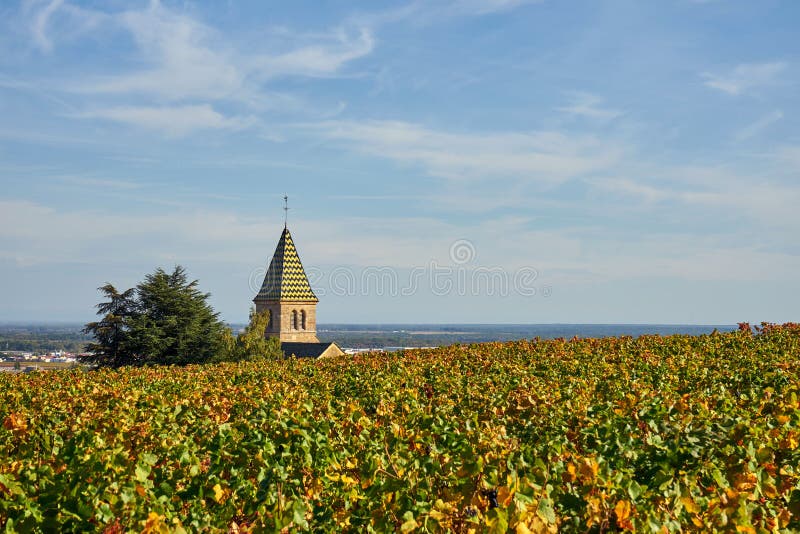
111	346
174	323
164	320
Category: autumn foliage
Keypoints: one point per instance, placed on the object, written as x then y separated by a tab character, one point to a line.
655	434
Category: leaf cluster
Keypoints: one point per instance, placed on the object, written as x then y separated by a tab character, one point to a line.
652	434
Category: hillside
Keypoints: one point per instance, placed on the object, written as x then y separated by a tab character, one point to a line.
652	434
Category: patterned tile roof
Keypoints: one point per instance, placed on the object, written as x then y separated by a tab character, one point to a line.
309	350
285	278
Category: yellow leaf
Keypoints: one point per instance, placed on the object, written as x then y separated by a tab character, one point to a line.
15	422
690	505
219	494
623	510
436	515
569	475
588	469
504	495
769	490
408	526
745	481
791	441
153	524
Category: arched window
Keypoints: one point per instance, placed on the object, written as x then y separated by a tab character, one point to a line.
294	319
303	319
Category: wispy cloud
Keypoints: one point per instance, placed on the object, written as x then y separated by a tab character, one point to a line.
190	65
58	20
100	183
39	25
588	105
758	126
174	121
427	11
191	60
335	49
745	77
718	190
538	157
483	7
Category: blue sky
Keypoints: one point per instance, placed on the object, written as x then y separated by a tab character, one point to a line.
583	161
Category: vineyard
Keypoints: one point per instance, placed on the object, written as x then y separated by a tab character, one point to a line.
652	434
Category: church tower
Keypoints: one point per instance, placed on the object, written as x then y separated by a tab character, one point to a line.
287	294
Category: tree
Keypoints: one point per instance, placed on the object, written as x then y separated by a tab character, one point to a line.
174	323
164	320
251	344
111	345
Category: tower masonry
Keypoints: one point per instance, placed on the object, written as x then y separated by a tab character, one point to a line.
288	296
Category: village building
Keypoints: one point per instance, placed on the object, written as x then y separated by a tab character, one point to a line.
292	304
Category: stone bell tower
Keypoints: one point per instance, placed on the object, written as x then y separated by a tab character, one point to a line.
287	294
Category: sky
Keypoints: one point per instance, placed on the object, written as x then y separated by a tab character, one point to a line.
446	161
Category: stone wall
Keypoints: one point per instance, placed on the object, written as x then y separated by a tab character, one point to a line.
291	321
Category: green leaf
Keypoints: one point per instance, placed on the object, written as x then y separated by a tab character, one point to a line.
299	514
141	473
11	485
545	510
497	520
634	490
409	524
149	458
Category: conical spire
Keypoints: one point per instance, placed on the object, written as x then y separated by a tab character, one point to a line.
286	279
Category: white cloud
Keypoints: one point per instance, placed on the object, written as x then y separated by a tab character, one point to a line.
190	60
482	7
180	59
538	157
53	20
322	59
100	183
172	121
645	192
758	126
39	25
53	236
588	105
745	77
428	11
715	191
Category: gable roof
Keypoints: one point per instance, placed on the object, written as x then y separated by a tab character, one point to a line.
285	278
310	350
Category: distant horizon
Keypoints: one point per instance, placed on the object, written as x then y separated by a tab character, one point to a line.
78	323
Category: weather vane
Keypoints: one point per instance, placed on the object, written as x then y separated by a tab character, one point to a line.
285	210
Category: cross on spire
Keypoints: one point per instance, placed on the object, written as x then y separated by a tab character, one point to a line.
285	210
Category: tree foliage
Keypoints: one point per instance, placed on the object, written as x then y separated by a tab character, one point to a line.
165	319
111	346
250	344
